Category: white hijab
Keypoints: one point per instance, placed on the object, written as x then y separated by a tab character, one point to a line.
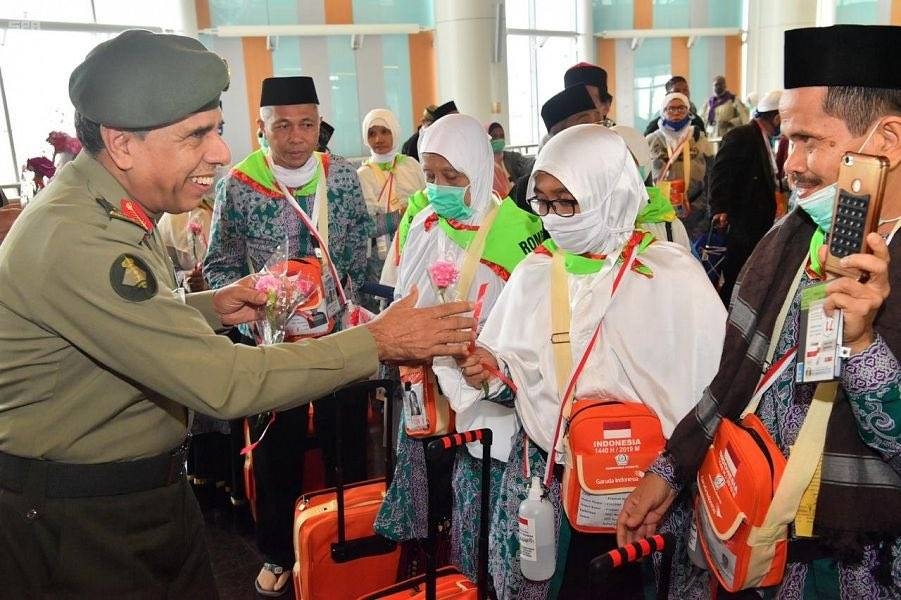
595	165
662	335
463	142
383	118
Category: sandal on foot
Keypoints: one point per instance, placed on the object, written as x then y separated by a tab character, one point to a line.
277	571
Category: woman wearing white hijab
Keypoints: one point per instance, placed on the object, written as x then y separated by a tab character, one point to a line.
388	179
667	143
660	343
459	168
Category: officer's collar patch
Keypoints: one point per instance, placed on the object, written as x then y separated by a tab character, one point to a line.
128	210
132	279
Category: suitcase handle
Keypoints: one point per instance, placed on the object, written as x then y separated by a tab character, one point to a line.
455	440
345	550
601	565
434	449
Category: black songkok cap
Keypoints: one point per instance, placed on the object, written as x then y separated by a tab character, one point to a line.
570	101
325	133
445	109
282	91
587	74
842	55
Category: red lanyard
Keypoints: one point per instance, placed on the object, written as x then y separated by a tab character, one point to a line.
628	257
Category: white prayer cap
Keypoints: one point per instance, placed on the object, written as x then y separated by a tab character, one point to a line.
770	101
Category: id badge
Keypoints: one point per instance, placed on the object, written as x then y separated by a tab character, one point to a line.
415	416
821	338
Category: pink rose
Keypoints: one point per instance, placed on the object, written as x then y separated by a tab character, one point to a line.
268	283
195	227
444	274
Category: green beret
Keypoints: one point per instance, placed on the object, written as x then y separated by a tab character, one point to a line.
144	80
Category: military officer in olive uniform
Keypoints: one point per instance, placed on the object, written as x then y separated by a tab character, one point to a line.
101	358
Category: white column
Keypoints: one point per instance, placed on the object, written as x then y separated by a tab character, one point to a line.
767	22
586	48
465	33
188	10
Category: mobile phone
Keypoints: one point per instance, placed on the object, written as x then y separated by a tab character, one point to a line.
861	185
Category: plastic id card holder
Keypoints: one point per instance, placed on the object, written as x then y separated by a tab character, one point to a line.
820	348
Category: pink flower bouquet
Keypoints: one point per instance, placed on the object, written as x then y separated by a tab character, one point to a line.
284	294
444	275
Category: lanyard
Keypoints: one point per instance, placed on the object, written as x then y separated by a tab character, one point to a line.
629	255
320	214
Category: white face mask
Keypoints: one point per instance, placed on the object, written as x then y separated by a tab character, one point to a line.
583	232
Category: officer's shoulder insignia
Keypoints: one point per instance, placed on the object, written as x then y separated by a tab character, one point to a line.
132	279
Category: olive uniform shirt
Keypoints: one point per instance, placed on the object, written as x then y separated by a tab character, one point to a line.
99	356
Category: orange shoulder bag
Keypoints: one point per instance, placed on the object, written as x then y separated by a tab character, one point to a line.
748	493
609	443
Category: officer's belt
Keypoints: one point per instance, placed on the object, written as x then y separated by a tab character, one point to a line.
67	480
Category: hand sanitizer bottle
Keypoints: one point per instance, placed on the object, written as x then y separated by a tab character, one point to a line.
537	546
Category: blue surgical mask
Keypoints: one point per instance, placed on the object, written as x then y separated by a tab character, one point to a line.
677	125
819	205
448	201
264	143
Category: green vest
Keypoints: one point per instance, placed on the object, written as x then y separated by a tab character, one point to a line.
514	234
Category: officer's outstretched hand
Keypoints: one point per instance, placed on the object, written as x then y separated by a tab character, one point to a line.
406	334
238	302
644	509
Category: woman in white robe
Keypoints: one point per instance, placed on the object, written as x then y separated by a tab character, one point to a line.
457	158
387	179
660	342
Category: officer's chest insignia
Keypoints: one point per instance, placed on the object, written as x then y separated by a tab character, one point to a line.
132	279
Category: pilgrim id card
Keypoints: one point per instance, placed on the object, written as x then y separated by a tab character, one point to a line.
414	411
821	338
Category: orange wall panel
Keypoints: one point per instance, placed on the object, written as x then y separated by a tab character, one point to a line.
896	13
679	57
257	67
202	9
606	52
733	62
423	72
339	12
644	14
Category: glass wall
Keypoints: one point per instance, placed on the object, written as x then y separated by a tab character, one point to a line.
536	63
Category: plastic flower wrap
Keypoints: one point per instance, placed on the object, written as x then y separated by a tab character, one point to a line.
444	275
284	294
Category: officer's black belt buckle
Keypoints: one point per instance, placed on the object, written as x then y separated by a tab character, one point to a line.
68	480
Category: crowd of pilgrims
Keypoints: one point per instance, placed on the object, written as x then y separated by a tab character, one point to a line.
594	193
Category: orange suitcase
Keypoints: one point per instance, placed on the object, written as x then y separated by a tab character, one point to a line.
337	554
448	583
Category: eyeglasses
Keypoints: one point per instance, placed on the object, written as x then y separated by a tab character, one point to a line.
676	109
561	208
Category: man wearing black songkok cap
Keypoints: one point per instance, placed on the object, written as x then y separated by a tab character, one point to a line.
843	94
594	78
572	106
252	218
103	357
